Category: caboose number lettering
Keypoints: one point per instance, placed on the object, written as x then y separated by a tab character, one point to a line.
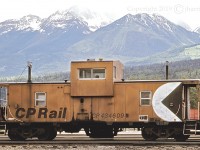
42	113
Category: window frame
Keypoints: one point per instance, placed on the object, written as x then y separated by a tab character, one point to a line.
92	74
83	71
150	98
40	100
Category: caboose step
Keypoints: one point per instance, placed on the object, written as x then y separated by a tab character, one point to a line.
198	133
188	132
190	127
190	122
3	129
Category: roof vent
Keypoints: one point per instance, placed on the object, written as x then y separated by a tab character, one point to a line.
90	59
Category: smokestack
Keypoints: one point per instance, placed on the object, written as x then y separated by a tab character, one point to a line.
29	64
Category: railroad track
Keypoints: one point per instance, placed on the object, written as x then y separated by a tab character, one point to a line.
133	139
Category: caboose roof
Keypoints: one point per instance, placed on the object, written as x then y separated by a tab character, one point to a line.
87	61
189	82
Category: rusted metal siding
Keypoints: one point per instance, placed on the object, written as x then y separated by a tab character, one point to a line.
119	70
94	87
22	97
127	100
125	105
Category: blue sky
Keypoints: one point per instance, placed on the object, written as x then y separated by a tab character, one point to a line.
187	11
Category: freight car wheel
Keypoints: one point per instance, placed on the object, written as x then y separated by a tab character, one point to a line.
181	137
49	134
148	134
53	134
15	136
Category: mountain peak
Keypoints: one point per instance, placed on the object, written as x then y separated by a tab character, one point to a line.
29	22
63	20
148	21
150	17
58	15
94	20
30	17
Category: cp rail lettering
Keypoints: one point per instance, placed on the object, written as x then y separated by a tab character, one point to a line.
42	113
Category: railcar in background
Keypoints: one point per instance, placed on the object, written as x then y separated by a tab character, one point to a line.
98	100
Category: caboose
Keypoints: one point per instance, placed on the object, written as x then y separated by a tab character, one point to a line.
99	100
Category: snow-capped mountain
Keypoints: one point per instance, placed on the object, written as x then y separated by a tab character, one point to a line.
60	19
64	21
26	23
22	40
134	36
93	19
51	43
29	22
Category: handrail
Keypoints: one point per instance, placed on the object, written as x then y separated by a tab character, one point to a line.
198	111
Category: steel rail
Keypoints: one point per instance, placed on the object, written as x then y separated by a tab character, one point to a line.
133	139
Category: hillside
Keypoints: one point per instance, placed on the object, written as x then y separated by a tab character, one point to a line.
187	69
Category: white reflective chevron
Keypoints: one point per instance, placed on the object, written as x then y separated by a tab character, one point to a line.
159	108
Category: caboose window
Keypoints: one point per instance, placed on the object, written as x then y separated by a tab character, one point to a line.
92	73
115	72
98	73
85	73
145	97
40	99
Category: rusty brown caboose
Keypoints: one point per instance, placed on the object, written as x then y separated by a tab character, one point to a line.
98	100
